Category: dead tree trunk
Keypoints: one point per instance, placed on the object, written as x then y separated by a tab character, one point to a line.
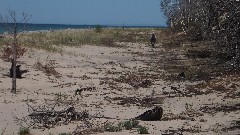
12	19
14	54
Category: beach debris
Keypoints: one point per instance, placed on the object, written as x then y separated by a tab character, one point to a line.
85	77
176	89
154	114
42	118
79	91
135	81
181	75
49	119
145	101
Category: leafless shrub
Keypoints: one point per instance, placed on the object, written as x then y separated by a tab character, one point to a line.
48	68
7	52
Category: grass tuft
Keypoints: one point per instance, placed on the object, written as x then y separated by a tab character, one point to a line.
130	124
142	130
111	128
24	131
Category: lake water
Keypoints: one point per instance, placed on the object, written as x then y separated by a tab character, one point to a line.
39	27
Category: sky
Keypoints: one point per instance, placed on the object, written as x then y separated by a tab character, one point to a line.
79	12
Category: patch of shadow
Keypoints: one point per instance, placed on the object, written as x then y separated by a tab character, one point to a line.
198	53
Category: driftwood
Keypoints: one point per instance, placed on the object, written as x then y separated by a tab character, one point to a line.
42	117
151	115
79	91
49	119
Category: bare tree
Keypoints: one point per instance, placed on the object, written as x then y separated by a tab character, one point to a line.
12	24
215	19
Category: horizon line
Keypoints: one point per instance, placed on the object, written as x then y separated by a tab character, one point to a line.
121	25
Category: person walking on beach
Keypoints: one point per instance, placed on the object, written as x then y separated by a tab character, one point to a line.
153	39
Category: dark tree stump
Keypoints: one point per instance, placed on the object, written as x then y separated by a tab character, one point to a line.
19	72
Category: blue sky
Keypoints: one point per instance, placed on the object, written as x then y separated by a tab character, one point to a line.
103	12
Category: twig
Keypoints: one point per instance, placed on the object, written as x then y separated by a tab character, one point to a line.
4	130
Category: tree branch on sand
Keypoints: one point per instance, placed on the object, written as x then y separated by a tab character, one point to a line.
42	118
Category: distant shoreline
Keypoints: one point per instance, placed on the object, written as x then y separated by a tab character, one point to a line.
47	27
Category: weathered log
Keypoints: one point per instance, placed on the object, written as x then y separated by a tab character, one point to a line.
151	115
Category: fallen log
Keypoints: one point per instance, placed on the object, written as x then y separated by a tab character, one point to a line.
151	115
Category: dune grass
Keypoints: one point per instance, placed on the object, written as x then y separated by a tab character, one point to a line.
53	40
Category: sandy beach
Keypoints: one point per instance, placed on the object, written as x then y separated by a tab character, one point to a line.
110	73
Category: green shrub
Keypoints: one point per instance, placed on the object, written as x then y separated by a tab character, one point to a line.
134	123
130	124
111	128
24	131
142	130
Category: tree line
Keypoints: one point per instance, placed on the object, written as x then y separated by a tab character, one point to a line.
218	20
